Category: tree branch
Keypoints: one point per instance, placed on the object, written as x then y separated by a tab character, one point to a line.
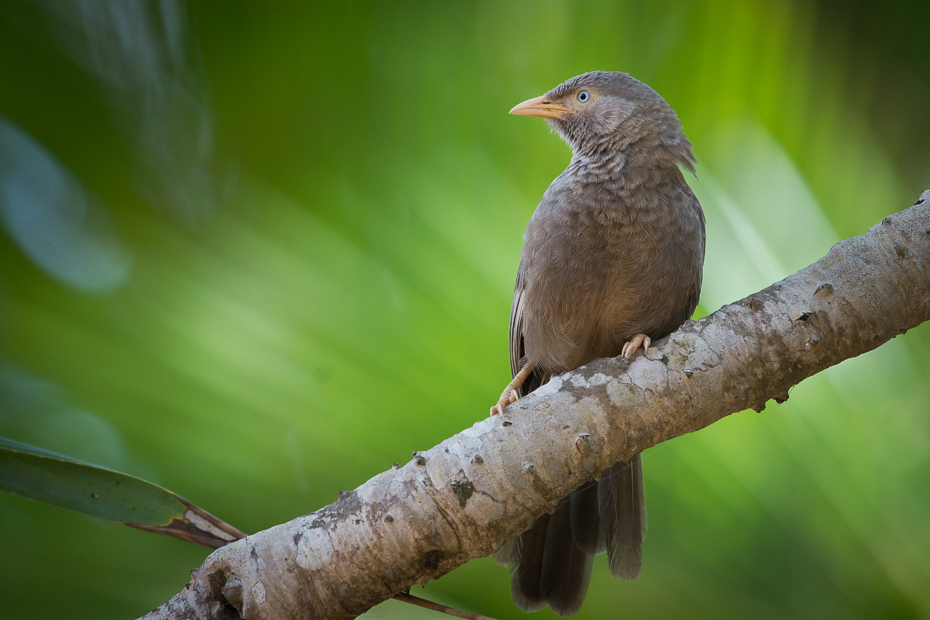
467	496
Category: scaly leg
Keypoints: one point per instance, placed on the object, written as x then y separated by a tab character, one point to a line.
510	394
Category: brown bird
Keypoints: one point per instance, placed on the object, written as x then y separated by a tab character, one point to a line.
611	259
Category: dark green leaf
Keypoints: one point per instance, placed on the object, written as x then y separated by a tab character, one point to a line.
61	481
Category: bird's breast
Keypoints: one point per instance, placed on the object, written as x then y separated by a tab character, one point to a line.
601	266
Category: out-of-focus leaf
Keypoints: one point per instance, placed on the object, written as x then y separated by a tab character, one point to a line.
61	481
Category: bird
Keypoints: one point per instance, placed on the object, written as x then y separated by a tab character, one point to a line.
612	259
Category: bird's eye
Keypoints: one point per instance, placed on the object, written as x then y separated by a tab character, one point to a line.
584	96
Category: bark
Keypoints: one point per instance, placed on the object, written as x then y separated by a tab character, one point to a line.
469	495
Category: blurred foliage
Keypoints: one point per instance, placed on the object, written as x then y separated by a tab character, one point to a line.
255	253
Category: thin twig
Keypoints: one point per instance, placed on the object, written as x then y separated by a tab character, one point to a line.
452	611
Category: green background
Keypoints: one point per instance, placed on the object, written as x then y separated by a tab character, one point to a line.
257	252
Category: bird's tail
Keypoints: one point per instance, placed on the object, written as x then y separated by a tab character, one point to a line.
551	562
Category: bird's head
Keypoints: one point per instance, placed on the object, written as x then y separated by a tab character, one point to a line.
605	112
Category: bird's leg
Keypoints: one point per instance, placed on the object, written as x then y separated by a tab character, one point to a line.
630	347
510	394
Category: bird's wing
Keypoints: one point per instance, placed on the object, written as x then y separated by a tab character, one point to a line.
517	344
517	349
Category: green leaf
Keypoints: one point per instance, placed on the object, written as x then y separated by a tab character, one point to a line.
61	481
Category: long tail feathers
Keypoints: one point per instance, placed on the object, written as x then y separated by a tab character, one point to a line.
566	569
551	562
622	499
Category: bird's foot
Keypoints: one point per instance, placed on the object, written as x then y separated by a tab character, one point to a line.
508	397
638	340
510	394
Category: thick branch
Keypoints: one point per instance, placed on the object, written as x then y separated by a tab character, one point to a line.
473	492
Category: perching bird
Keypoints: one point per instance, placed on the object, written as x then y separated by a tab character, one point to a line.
611	259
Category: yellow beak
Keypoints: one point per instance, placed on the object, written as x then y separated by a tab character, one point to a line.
543	108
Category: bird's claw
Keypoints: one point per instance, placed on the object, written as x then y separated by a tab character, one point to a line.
638	340
507	398
510	394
